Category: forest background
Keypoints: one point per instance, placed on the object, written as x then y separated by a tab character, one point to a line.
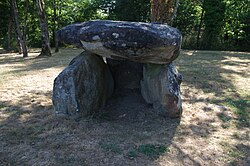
205	24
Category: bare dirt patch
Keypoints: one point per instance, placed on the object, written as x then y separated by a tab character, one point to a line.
213	130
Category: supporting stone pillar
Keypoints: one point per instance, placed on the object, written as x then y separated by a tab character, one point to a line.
161	87
83	87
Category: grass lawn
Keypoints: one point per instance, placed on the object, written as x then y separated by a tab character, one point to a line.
214	128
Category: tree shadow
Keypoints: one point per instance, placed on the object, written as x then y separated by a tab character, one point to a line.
214	72
127	132
241	155
184	157
31	133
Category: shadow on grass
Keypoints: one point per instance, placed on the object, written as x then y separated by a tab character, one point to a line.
31	133
127	133
213	74
207	71
239	154
204	70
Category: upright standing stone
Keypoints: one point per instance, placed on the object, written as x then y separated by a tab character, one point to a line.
83	87
161	87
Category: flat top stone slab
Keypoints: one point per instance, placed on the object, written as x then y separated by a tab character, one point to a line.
136	41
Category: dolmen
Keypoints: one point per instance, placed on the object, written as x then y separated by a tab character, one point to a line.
112	49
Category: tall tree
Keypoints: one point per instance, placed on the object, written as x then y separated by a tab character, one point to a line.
55	25
122	10
200	25
44	28
214	22
163	11
25	25
20	36
237	25
10	29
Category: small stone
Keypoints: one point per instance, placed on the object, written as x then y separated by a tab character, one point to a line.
222	108
95	38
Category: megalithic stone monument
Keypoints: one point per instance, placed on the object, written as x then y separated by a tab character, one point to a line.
87	83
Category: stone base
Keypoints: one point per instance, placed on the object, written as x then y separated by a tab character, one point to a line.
85	85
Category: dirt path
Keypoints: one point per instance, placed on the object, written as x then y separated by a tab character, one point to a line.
214	128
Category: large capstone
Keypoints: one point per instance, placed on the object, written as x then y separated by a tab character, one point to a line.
135	41
161	87
83	87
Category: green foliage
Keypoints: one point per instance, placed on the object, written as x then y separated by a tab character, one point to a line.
224	117
233	151
187	16
225	24
126	10
153	151
241	109
110	147
149	150
132	10
4	17
237	24
2	106
132	154
187	21
213	21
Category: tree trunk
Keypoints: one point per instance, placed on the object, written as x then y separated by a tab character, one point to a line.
10	33
55	27
163	11
25	30
175	11
199	28
44	28
56	44
18	29
18	44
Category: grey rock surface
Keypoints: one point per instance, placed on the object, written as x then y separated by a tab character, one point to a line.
83	87
136	41
161	87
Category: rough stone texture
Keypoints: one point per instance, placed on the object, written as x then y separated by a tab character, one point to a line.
126	74
161	87
136	41
139	56
83	87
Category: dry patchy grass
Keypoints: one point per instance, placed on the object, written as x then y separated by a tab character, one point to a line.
214	128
